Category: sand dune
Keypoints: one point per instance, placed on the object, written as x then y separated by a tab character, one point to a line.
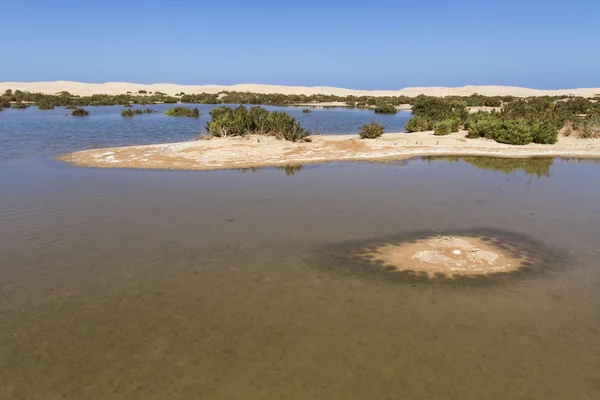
80	88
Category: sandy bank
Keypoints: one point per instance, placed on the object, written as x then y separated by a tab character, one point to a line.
256	151
86	89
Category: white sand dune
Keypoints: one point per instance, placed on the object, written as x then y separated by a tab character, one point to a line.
82	89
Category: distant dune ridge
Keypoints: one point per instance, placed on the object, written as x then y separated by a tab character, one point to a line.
83	89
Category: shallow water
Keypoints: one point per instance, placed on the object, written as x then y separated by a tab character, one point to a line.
32	132
127	284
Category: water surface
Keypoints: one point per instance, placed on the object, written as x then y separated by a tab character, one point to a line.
31	132
129	284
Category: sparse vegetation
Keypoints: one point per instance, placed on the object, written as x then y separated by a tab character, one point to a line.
385	108
183	112
371	131
240	121
80	112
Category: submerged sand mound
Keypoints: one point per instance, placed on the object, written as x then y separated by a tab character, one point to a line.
447	255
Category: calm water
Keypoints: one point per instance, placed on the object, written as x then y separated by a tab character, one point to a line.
125	284
32	132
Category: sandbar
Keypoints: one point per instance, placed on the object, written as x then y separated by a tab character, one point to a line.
258	151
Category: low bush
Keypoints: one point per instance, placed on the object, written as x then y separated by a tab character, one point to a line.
142	92
80	112
419	124
447	126
183	112
131	113
371	131
306	111
240	121
170	100
385	108
45	106
19	106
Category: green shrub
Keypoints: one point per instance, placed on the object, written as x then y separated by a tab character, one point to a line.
240	121
371	131
80	112
183	112
419	124
20	106
447	126
514	132
306	111
142	92
45	106
127	113
384	108
170	100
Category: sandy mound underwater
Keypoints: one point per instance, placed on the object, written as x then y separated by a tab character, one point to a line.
448	255
468	256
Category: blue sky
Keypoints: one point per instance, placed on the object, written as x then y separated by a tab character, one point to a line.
356	44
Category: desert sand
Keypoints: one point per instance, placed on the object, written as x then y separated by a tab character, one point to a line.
256	151
83	89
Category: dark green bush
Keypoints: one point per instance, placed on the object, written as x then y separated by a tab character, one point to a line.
306	111
170	100
80	112
371	131
45	106
384	108
183	112
240	121
419	124
447	126
127	113
142	92
20	106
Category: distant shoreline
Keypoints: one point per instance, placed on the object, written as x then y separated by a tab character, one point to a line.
261	151
113	88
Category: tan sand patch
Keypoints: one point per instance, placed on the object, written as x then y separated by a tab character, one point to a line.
447	255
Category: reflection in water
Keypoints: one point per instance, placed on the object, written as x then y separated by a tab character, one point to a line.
539	167
290	170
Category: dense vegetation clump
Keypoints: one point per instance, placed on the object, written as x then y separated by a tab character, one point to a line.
240	121
183	112
80	112
419	124
131	113
142	92
447	126
371	131
384	108
19	105
306	111
45	106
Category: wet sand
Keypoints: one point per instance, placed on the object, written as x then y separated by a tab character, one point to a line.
256	151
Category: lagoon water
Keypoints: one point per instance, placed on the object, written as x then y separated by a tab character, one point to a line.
131	284
32	132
